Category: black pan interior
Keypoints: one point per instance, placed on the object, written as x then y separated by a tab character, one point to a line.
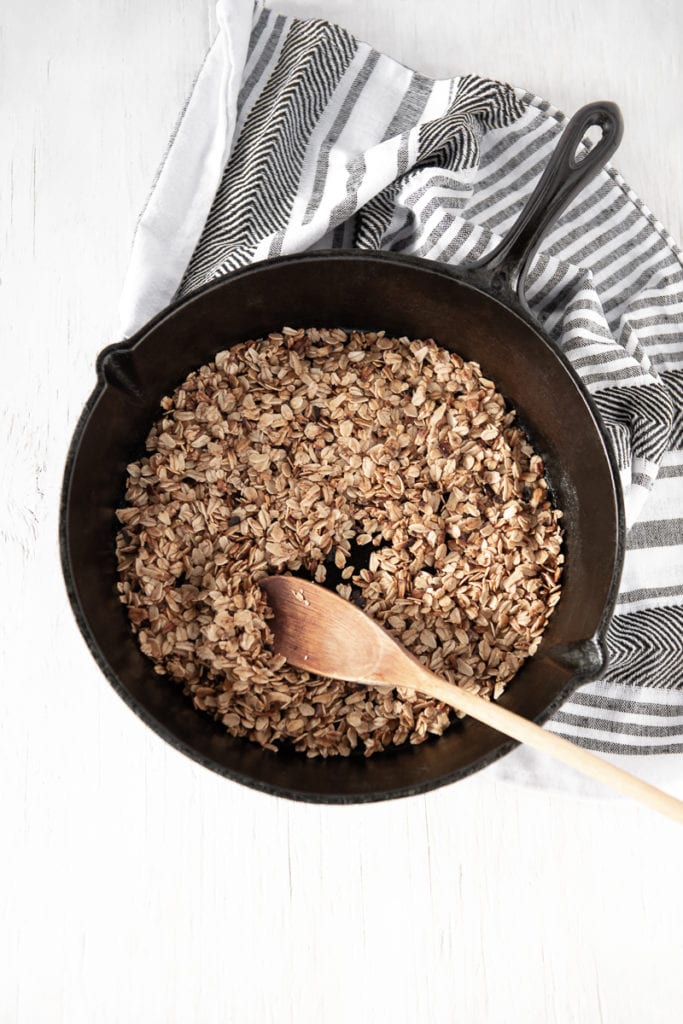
404	297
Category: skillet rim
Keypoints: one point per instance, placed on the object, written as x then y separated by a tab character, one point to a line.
495	290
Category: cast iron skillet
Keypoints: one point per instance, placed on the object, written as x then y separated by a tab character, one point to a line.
480	312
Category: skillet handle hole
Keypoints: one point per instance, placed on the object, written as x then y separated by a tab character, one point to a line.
589	141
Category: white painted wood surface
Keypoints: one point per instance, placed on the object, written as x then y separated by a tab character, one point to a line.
136	886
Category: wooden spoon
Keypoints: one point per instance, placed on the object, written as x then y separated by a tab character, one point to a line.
319	632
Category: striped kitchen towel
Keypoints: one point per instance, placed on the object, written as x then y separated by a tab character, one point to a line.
297	136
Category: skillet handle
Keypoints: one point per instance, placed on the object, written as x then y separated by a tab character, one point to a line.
563	178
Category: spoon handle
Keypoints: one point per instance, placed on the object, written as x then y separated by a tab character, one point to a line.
507	722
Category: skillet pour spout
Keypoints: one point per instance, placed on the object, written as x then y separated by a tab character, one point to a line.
478	311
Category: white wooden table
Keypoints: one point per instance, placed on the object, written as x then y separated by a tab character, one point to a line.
135	885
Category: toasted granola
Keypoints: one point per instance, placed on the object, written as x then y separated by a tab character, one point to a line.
387	468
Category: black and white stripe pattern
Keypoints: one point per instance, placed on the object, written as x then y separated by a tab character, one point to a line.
336	145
